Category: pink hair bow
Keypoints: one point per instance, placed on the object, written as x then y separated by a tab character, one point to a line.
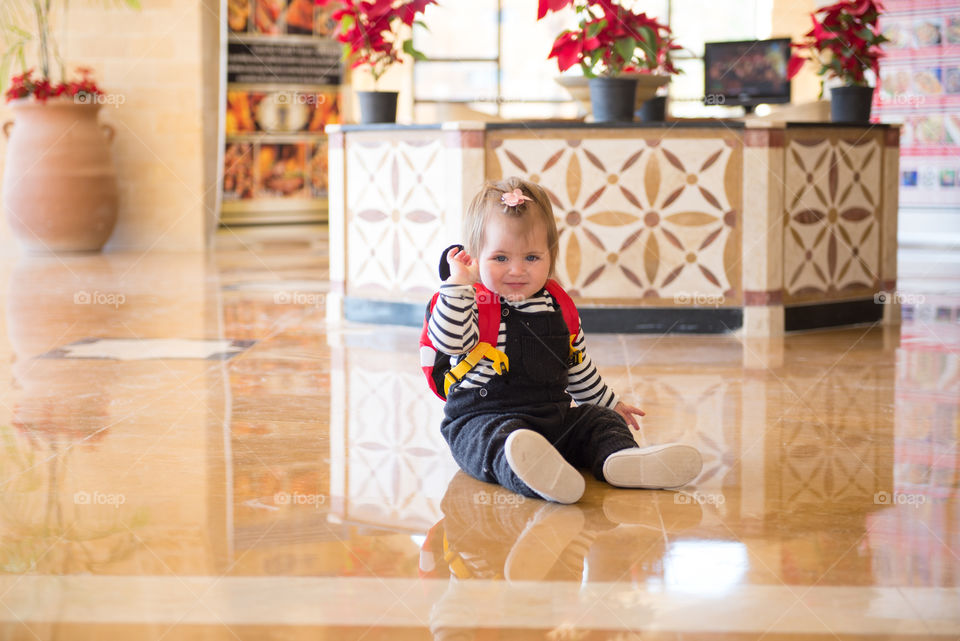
513	198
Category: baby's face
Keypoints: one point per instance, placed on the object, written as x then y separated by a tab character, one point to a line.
515	258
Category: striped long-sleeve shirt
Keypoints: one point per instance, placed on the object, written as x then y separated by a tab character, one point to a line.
454	330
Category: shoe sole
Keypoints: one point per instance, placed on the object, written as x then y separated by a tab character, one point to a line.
653	468
542	542
542	468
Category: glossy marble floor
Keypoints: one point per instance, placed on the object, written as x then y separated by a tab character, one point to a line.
189	449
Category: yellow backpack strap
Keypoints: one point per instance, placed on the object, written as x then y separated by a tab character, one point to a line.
483	350
570	316
454	560
576	356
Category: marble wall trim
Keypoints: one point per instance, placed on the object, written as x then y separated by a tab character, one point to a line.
763	298
464	139
763	138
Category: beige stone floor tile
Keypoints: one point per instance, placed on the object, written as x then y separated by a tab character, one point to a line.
301	488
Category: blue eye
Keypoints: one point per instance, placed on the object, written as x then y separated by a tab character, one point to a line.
531	258
500	259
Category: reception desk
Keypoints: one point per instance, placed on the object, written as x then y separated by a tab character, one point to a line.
699	227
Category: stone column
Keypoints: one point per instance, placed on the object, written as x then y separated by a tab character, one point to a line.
337	215
890	204
762	251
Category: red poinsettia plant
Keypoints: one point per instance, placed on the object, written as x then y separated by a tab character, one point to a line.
82	90
845	41
369	30
27	29
611	40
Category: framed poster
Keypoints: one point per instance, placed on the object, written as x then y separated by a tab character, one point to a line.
919	88
283	77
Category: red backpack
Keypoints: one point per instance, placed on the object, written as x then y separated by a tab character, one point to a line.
436	364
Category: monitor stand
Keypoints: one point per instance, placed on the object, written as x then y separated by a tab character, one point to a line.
748	110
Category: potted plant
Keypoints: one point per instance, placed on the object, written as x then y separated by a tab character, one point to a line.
59	183
845	43
370	33
616	49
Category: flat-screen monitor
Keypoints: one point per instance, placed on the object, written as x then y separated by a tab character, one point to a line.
747	72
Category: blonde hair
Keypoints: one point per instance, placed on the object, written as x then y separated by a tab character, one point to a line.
488	203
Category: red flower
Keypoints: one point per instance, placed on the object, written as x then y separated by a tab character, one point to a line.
845	41
24	86
611	39
546	6
367	30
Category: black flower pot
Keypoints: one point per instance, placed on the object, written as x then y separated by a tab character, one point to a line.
653	110
850	104
613	99
377	106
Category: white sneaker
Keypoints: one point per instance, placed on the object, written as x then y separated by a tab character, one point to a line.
538	464
542	542
653	468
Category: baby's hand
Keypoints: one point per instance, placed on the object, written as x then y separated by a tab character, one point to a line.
629	414
464	270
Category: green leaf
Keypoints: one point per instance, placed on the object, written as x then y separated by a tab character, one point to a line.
594	28
409	50
624	47
647	43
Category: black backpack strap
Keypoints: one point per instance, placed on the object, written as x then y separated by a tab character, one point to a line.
444	265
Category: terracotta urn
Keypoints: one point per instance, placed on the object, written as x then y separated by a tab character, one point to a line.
59	183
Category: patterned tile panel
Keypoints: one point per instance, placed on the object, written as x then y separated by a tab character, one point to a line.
832	215
656	218
395	214
398	465
826	455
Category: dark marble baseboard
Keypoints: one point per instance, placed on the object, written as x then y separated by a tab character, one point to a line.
661	320
647	320
631	320
819	315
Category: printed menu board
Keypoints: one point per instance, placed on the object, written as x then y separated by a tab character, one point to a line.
919	87
284	75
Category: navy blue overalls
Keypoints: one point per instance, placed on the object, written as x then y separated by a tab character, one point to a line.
531	395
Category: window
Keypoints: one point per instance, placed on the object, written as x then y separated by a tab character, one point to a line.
695	22
491	55
497	64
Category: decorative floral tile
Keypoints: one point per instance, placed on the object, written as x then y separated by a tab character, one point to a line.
832	216
653	218
395	216
398	465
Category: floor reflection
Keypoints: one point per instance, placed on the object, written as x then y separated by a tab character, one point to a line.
306	459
